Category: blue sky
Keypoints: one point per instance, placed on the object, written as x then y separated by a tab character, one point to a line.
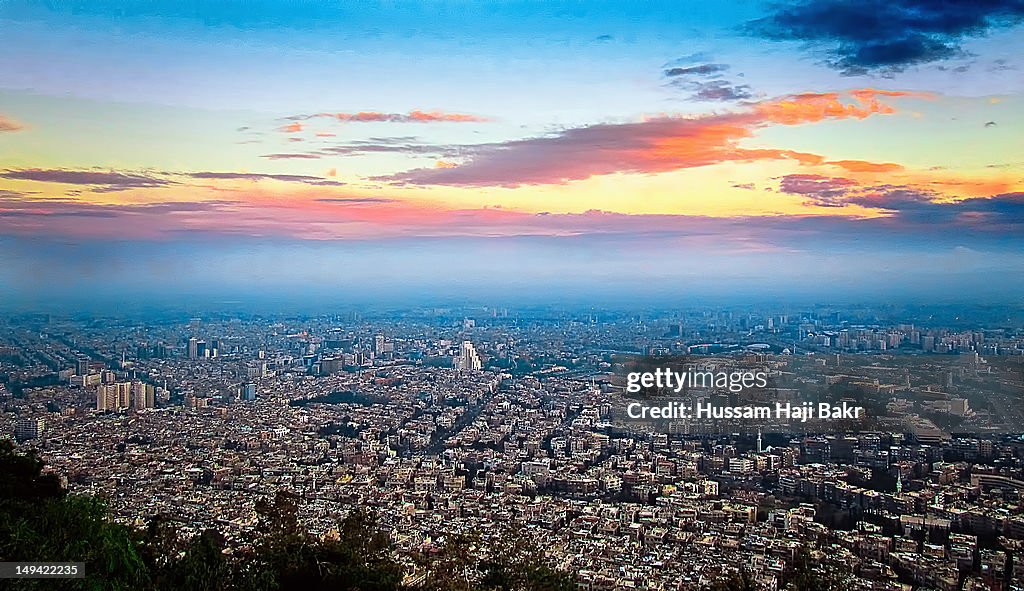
800	137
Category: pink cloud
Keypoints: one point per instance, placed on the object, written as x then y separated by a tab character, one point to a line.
656	145
414	116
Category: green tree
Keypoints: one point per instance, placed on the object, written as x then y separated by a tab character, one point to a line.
510	562
39	522
287	556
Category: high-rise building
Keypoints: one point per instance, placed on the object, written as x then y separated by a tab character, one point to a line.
116	396
82	366
27	428
143	395
193	348
468	360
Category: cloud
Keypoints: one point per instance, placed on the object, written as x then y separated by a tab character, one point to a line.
823	191
99	180
815	107
70	218
700	70
720	90
285	156
656	145
864	166
705	81
861	36
355	200
414	116
921	206
8	124
255	177
909	219
105	181
910	205
397	145
387	145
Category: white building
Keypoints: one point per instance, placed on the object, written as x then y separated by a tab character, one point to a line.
468	360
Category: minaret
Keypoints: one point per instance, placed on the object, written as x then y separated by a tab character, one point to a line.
899	482
760	447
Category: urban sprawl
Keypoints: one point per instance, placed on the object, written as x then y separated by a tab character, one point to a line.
451	420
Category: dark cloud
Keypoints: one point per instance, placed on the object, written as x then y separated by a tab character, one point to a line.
721	90
990	124
909	205
820	190
824	191
100	180
701	70
897	198
705	81
860	36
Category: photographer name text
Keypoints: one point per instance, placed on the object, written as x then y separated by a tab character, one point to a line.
780	411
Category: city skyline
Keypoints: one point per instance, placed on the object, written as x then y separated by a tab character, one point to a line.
522	150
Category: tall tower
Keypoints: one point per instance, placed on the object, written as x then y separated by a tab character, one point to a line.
760	447
468	360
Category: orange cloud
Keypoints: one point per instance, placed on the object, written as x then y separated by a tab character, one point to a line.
417	115
864	166
8	124
292	127
814	107
654	145
314	213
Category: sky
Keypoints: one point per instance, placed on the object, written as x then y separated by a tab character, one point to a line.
814	149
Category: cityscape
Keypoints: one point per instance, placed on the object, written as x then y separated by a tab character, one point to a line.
457	419
518	295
